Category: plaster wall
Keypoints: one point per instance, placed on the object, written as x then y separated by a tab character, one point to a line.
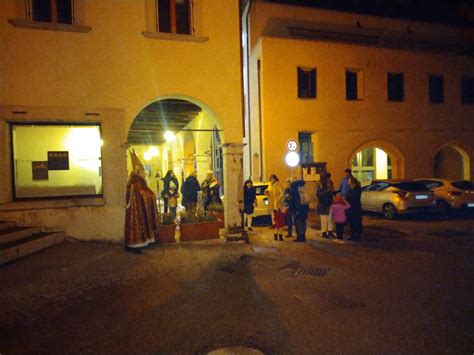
109	75
413	129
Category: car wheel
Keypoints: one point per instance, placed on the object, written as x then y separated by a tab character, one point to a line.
389	211
443	207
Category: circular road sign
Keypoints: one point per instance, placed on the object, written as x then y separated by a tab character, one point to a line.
292	145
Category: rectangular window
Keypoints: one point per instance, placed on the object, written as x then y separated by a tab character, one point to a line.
55	11
174	16
354	84
56	160
436	89
467	90
306	148
307	83
395	90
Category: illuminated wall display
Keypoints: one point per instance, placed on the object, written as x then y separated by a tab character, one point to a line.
52	160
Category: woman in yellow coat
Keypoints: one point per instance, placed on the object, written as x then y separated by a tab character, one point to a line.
275	195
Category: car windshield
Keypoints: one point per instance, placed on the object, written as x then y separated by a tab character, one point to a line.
411	186
260	189
463	185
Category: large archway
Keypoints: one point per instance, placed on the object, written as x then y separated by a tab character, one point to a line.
451	162
175	133
376	160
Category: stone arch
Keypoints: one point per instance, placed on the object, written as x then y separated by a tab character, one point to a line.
394	162
451	161
193	123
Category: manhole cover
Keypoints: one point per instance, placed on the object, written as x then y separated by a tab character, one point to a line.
327	301
238	350
310	271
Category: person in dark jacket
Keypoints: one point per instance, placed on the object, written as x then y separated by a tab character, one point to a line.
354	213
290	216
325	192
250	201
189	190
300	210
169	177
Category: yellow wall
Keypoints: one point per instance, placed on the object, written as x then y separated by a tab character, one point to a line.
113	72
414	127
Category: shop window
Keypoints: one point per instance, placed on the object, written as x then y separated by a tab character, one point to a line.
306	148
467	90
54	11
174	16
354	84
307	83
395	90
436	89
56	160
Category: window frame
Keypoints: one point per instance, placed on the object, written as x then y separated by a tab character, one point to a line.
11	124
173	19
359	84
392	78
311	73
30	16
434	97
465	89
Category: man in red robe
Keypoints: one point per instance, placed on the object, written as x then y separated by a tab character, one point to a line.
141	214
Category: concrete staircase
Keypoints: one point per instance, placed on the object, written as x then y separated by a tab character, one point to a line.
17	242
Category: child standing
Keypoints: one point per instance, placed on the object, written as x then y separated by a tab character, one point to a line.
250	201
173	199
338	212
280	219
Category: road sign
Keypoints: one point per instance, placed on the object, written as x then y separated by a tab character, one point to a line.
292	145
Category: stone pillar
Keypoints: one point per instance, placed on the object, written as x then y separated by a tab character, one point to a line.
232	154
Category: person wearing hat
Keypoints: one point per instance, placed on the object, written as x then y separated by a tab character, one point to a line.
141	213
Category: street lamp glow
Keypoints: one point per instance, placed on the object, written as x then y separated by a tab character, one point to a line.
292	159
169	136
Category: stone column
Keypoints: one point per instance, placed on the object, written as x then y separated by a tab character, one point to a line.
232	154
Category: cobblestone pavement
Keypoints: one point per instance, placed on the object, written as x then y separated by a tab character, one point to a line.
408	288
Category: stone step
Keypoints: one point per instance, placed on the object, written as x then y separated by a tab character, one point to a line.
20	248
17	233
7	225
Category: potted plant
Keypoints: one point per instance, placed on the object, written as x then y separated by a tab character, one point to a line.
199	226
166	229
217	209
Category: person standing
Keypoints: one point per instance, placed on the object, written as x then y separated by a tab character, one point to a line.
189	190
275	195
324	192
169	177
141	214
290	217
338	211
173	196
354	214
206	188
344	186
300	209
250	201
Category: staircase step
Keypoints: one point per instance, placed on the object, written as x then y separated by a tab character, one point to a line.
17	233
7	225
29	245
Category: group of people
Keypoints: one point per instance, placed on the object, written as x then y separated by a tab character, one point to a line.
289	207
190	190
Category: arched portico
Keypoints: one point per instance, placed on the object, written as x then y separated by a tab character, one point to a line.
451	161
377	159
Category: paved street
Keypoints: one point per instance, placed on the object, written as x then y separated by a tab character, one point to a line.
408	288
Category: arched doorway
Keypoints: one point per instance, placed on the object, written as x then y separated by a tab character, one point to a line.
376	160
175	133
451	162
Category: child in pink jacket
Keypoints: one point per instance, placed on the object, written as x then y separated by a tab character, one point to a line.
338	212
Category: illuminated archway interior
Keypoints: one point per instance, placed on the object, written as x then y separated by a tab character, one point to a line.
176	134
371	163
